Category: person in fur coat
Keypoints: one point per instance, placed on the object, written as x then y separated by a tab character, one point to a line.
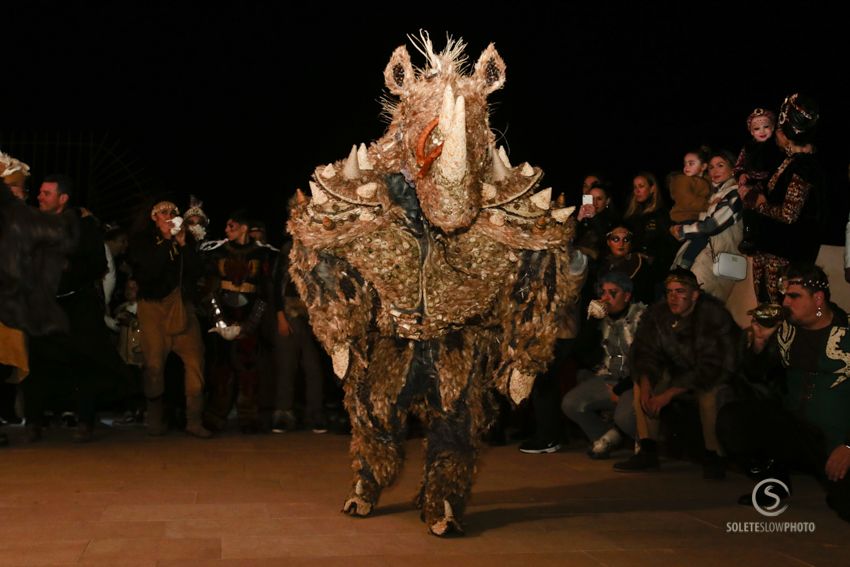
686	343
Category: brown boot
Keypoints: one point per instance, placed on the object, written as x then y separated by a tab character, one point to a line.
194	421
154	420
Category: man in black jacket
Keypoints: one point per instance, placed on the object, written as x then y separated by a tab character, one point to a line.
82	358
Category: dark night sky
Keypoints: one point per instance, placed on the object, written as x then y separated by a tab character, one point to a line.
238	104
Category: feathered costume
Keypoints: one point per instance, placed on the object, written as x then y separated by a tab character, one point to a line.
432	273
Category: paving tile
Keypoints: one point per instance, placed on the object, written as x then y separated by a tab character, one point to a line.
163	512
262	501
23	528
311	561
24	553
111	562
662	557
60	496
115	549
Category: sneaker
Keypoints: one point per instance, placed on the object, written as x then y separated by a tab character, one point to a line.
534	447
602	447
319	427
639	462
131	417
283	421
69	419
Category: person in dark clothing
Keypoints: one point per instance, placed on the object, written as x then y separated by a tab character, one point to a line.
239	272
83	358
808	425
688	342
759	157
595	221
295	347
33	249
621	258
649	221
166	265
784	224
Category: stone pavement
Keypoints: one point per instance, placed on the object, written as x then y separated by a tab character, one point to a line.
174	501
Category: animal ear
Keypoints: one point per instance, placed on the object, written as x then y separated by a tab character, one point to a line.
490	69
399	72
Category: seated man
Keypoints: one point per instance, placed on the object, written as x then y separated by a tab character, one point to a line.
810	425
604	382
688	342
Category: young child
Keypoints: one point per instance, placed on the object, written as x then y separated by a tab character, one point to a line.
721	210
759	157
690	189
129	342
130	350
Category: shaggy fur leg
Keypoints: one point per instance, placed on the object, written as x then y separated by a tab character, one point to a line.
377	456
449	470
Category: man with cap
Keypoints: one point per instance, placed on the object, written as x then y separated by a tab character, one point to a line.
166	264
687	342
602	350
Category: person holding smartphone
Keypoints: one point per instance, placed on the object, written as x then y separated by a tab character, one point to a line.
595	218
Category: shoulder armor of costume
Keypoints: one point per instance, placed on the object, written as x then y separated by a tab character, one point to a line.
353	181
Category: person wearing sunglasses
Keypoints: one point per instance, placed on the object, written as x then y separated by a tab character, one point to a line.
620	258
604	381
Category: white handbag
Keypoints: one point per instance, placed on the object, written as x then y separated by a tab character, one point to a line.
730	266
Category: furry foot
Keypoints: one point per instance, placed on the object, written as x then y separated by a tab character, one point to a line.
447	525
358	504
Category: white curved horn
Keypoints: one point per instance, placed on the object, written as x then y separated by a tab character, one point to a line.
447	110
452	162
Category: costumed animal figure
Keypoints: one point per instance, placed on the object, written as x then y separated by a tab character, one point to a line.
432	273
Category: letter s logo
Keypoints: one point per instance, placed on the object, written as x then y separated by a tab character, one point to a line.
767	487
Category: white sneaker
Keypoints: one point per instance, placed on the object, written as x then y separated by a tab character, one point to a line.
602	447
